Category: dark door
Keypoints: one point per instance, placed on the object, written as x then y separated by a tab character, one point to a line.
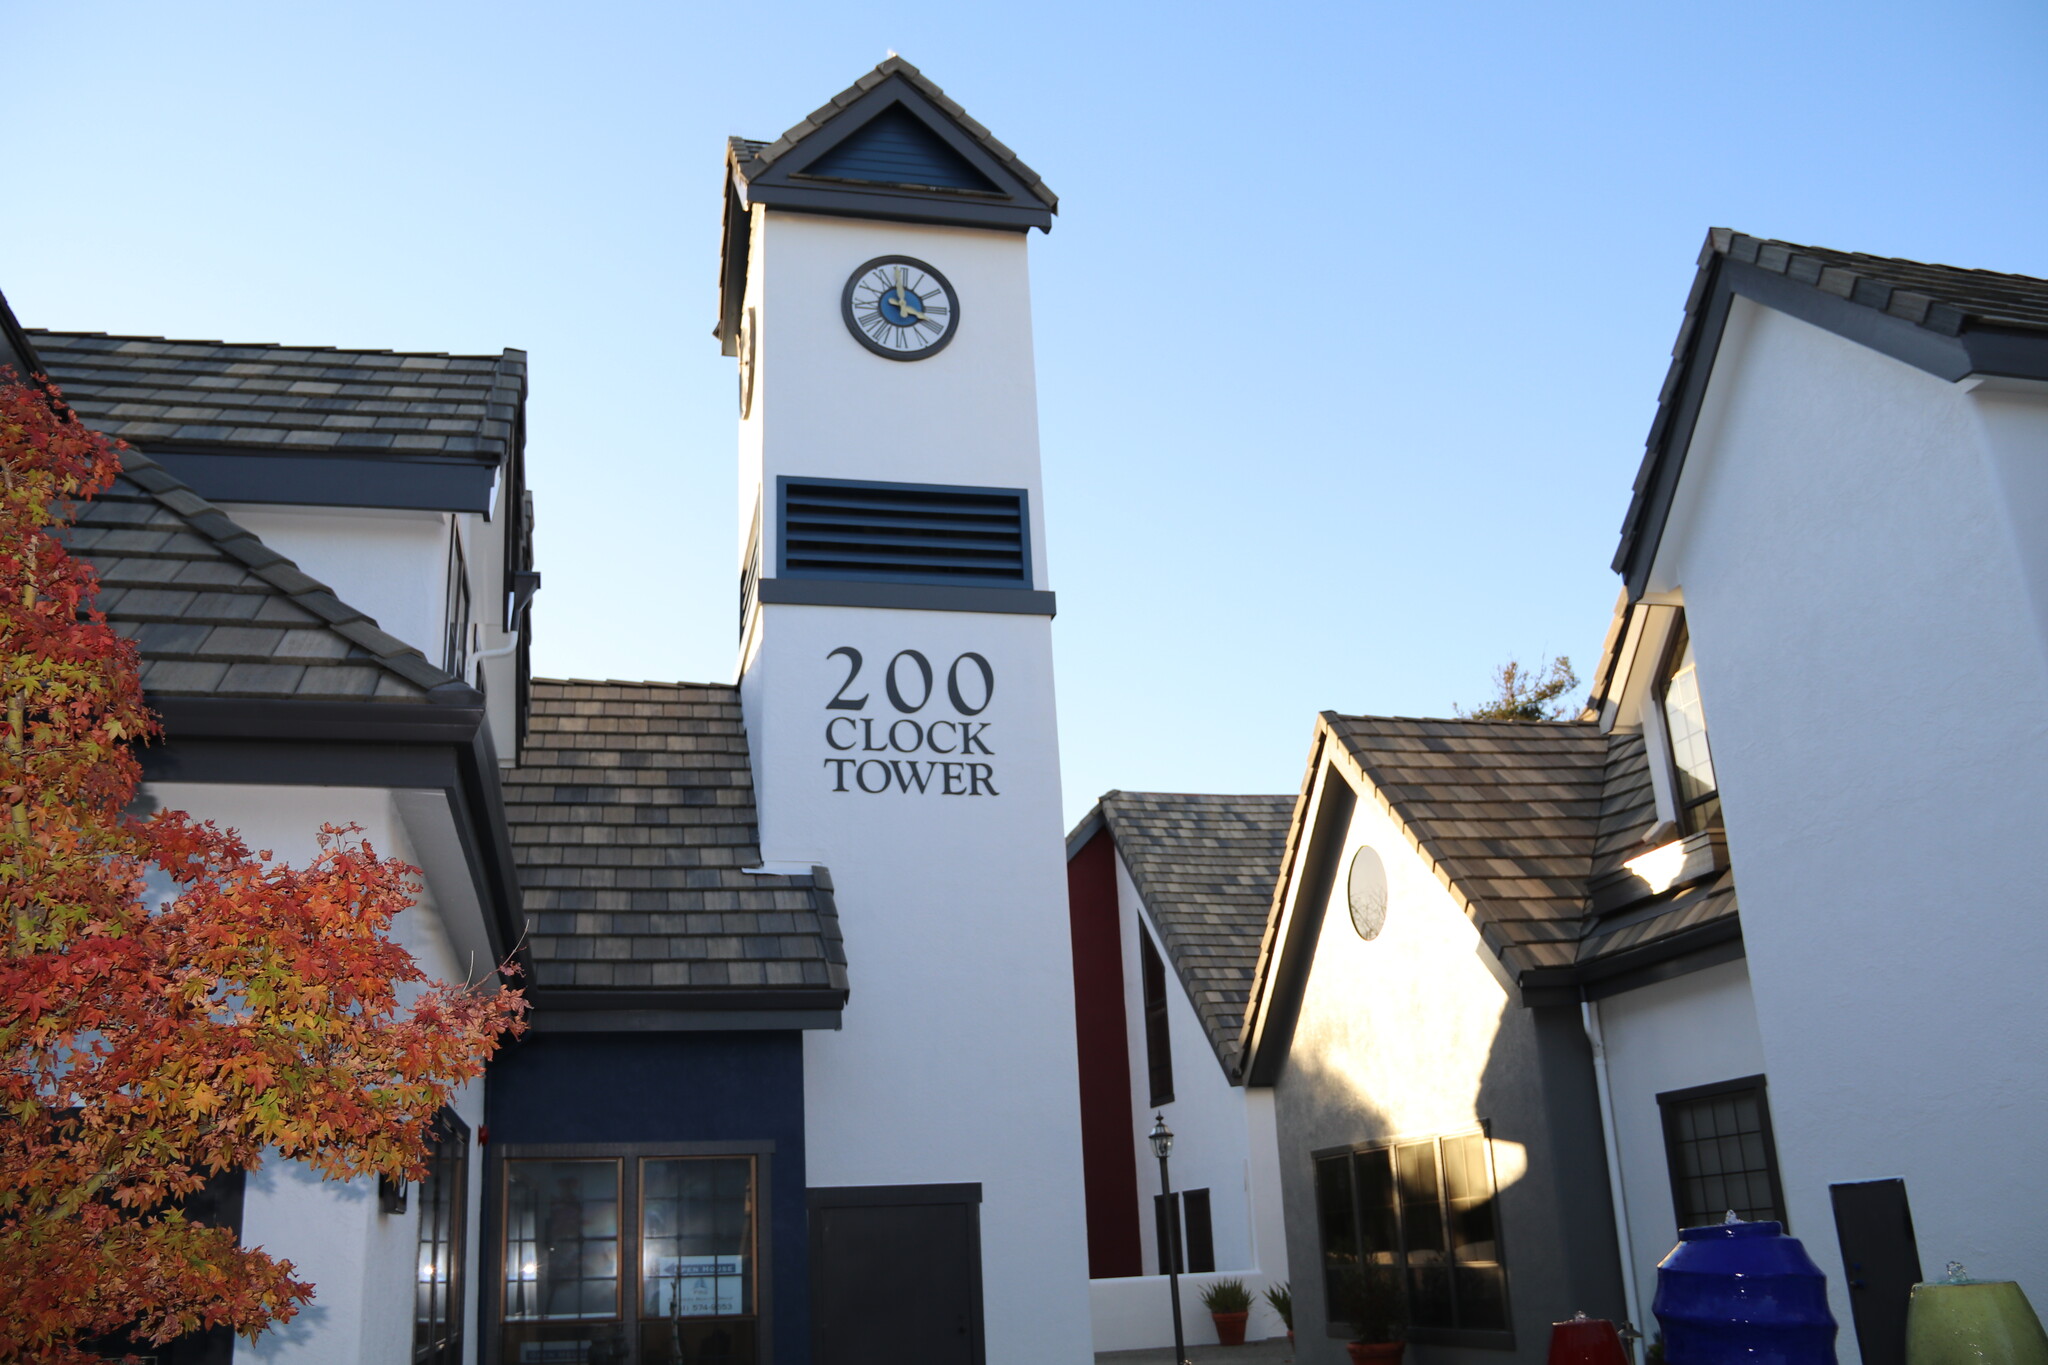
896	1275
1882	1261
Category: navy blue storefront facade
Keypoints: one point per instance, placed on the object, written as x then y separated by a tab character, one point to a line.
663	1096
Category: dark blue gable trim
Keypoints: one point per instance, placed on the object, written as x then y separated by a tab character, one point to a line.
300	479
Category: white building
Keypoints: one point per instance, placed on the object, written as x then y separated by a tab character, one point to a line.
399	479
1168	894
1823	689
708	1148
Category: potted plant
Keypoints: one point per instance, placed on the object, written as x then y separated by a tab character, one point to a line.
1281	1297
1230	1305
1372	1302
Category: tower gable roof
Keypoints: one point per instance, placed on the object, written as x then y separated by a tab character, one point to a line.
896	98
891	145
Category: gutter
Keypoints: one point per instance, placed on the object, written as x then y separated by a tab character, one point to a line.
1589	1015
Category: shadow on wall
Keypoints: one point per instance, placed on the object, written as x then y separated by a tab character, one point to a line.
1534	1091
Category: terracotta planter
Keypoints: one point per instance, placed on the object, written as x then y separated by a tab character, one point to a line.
1375	1352
1230	1327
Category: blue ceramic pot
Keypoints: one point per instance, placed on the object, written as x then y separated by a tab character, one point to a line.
1743	1292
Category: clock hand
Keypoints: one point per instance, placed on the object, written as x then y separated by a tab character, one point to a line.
901	303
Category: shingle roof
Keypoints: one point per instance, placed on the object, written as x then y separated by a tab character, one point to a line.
301	399
632	818
1516	819
217	613
1205	866
749	157
1941	298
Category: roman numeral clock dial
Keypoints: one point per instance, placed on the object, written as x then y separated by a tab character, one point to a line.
900	308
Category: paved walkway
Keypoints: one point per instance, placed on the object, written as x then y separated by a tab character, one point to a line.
1272	1351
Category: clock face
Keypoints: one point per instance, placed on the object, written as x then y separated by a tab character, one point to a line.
900	308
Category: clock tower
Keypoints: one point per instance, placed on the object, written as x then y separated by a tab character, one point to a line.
897	682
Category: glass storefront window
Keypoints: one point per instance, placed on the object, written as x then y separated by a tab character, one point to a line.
562	1263
631	1260
697	1260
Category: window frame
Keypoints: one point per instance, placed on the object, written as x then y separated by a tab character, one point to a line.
450	1133
1483	1338
1676	640
629	1156
455	644
1668	1103
1158	1028
1178	1249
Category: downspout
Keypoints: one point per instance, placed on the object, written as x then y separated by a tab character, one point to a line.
1590	1014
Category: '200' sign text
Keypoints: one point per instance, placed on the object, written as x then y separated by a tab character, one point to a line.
902	741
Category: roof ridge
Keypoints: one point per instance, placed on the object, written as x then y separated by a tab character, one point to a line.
632	682
1208	796
280	345
1534	726
1733	236
279	571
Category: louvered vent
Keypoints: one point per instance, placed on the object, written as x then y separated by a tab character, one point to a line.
896	148
904	533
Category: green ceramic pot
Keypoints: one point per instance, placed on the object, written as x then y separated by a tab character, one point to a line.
1973	1322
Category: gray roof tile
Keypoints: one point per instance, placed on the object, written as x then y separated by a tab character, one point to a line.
1516	819
192	591
1205	867
274	398
649	857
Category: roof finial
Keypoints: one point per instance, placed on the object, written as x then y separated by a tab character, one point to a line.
892	52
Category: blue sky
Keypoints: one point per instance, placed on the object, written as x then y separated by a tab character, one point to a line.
1349	331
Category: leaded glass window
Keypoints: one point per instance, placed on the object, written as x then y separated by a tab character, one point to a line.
1722	1156
443	1242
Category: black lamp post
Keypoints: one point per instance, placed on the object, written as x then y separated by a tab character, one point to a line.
1162	1143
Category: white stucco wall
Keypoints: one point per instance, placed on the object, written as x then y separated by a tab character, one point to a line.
1207	1113
359	1260
388	563
1876	696
1697	1029
956	1060
826	408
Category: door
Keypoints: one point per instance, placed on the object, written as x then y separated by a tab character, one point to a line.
1882	1258
896	1275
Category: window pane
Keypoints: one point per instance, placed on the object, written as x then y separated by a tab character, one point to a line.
1429	1294
1340	1240
561	1240
438	1288
1380	1232
1720	1157
1482	1298
1687	724
1469	1183
696	1237
1422	1216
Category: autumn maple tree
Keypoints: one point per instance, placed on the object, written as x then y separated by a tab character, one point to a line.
172	1004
